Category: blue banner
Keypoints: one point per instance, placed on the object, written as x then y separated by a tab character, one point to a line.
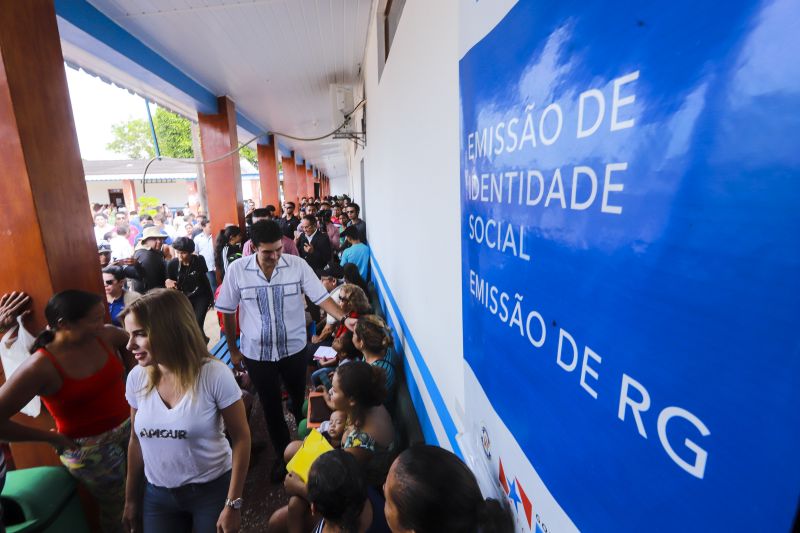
630	189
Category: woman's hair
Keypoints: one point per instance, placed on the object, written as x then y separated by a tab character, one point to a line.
65	306
351	275
175	338
374	333
337	488
223	239
435	491
183	244
364	383
357	298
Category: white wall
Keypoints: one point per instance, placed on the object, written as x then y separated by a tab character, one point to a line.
173	194
412	183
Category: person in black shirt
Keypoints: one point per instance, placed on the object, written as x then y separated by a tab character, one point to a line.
314	246
353	212
187	273
289	219
152	260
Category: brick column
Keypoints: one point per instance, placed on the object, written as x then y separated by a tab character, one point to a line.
300	172
268	173
42	187
223	178
193	196
290	186
129	192
310	181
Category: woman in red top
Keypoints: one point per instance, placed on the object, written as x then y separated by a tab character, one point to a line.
81	379
354	303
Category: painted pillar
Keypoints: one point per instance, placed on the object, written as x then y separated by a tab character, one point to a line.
300	172
304	179
268	173
129	192
290	189
224	177
193	196
43	194
310	181
255	193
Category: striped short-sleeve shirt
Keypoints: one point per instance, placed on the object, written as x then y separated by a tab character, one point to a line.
271	311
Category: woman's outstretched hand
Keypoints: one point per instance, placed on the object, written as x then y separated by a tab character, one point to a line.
13	304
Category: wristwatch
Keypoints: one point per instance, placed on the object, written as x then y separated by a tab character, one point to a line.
234	504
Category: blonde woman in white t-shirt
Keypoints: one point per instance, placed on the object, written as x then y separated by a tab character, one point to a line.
182	473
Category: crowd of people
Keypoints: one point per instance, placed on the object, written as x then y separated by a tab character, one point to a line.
157	429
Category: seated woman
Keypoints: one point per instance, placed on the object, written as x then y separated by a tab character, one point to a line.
182	473
430	490
354	303
346	352
358	390
76	369
338	493
187	273
374	338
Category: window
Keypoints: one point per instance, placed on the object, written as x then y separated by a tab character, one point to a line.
389	12
391	19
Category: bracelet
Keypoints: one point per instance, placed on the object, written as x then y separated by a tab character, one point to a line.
234	504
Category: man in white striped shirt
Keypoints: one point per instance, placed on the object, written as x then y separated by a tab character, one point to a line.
270	289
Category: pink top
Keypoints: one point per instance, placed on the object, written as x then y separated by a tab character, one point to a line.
289	247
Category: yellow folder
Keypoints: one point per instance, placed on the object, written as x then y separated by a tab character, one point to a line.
313	446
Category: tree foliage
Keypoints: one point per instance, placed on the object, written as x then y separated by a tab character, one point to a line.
250	155
174	134
147	205
132	139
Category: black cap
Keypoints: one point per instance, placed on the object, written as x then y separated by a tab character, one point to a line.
333	270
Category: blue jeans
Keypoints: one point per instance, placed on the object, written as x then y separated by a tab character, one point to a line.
212	279
320	377
193	507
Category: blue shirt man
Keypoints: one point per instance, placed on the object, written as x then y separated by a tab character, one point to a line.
357	253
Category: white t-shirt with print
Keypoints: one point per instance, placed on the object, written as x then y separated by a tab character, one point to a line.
185	444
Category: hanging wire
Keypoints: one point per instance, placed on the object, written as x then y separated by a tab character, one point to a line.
242	145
